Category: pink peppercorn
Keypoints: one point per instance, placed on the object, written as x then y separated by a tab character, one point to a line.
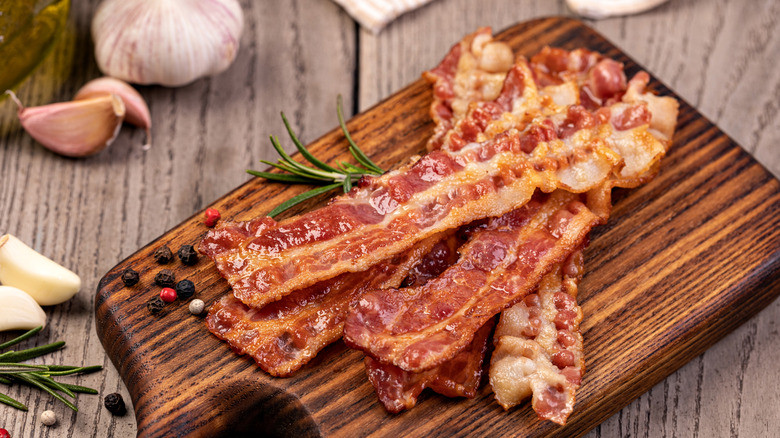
212	216
168	295
4	434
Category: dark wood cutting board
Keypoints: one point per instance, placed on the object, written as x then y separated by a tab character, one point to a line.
683	261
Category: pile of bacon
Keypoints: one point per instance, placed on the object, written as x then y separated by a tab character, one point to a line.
413	267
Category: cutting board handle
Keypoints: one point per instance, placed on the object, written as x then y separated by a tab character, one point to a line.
170	394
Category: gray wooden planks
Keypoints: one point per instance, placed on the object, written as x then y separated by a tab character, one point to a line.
296	56
89	214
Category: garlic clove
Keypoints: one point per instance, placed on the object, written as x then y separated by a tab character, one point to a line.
46	281
18	310
598	9
136	110
74	129
170	43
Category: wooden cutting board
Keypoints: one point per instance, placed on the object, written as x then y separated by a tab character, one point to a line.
683	261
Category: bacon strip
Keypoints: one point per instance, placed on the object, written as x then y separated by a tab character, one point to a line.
441	256
459	377
548	129
284	335
223	243
443	190
537	133
473	71
539	346
422	327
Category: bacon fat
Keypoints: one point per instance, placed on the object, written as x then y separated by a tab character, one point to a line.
538	346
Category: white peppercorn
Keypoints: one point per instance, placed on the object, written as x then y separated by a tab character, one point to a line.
48	418
197	306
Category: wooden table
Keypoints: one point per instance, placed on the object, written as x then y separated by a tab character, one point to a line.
296	57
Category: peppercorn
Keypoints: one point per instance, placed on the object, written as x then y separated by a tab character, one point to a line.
48	418
155	305
212	216
4	433
130	277
163	255
115	404
168	295
188	255
165	278
197	306
185	289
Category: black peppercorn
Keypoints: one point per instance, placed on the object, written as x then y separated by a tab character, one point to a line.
115	404
155	305
163	255
185	289
188	255
165	278
129	277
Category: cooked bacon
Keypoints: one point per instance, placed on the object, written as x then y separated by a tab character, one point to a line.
443	254
473	71
443	190
539	346
284	335
553	65
551	81
419	328
662	109
459	377
543	98
228	237
563	120
502	152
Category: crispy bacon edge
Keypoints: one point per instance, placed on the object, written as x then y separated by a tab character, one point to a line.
472	71
539	348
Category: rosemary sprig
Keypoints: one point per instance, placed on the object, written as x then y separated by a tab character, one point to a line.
329	177
39	376
353	147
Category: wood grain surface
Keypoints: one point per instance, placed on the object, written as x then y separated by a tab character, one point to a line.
296	56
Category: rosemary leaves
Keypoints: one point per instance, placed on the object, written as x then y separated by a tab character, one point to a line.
39	376
344	175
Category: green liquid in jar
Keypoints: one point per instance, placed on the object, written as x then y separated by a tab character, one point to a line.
28	31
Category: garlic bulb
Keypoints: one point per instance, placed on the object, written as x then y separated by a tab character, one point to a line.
166	42
18	310
598	9
42	278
